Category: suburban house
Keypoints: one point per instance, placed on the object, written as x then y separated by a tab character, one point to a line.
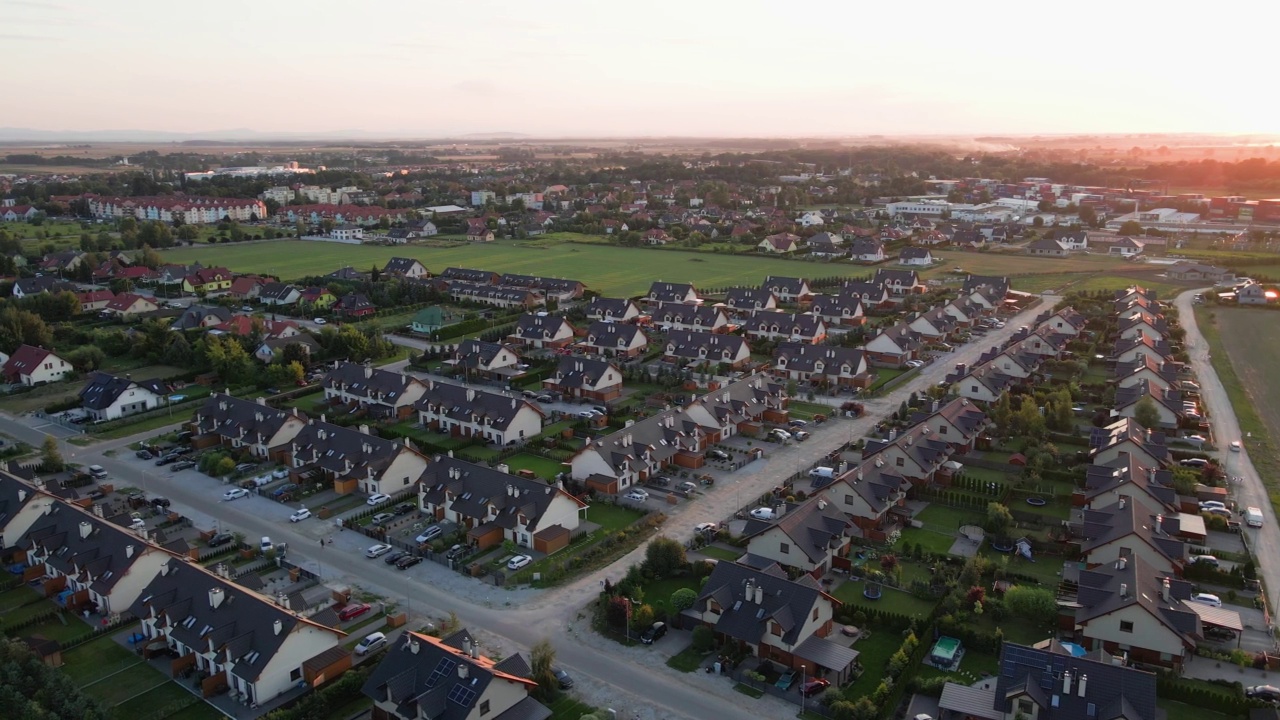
26	287
825	243
958	423
89	563
1127	247
383	394
1050	682
872	294
109	397
277	293
424	677
430	319
1128	607
780	243
1047	247
1107	444
486	359
541	331
1161	376
272	348
31	366
1168	403
893	346
233	423
867	250
468	412
1066	321
403	267
874	498
749	300
18	213
769	616
208	280
996	285
984	383
199	317
935	324
587	378
478	277
24	506
480	234
666	292
1127	530
1126	479
494	506
496	296
965	311
787	289
1254	294
699	347
612	309
778	325
1198	272
807	537
827	365
915	256
615	339
838	309
1143	323
558	288
317	297
247	287
94	300
899	282
354	305
680	316
656	236
353	459
917	454
238	638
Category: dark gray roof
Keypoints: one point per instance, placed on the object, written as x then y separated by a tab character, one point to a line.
914	253
998	283
353	302
1125	472
1126	430
776	321
740	298
1107	588
1109	687
837	306
490	292
46	283
960	413
245	420
602	307
785	602
344	452
901	277
686	314
815	528
691	344
784	285
803	357
374	383
485	495
103	389
475	353
484	277
670	292
826	653
614	335
463	403
540	327
83	545
868	291
555	285
194	316
276	290
865	246
1103	526
582	372
14	495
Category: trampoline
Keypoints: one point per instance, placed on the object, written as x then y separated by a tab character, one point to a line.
872	591
1004	546
1037	502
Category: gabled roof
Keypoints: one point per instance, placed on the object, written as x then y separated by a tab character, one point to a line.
687	314
602	307
749	616
26	359
1123	520
1101	593
750	298
834	306
922	444
583	372
84	546
670	292
276	291
1126	472
1128	430
1111	691
771	321
251	422
689	344
463	403
997	283
487	495
541	327
886	276
484	277
374	383
194	316
804	357
103	389
344	452
815	528
401	266
478	353
959	413
602	334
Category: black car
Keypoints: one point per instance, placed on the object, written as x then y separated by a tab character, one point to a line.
144	455
182	465
160	502
656	631
167	459
402	509
221	539
456	552
394	557
562	677
408	561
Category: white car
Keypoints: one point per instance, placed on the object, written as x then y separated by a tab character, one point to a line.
280	473
234	493
1206	504
319	321
1223	513
518	562
780	434
1235	446
377	499
1207	599
586	414
638	495
377	550
702	528
300	515
914	363
763	513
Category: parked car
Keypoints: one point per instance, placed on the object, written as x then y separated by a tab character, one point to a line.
143	455
800	435
764	513
797	423
381	518
319	321
687	486
220	539
706	527
394	557
717	454
653	633
160	503
814	686
518	562
1205	560
300	515
1223	513
586	414
1235	446
182	465
562	678
97	472
377	550
1270	693
377	499
1207	599
786	680
245	467
638	495
408	561
371	643
354	610
1206	504
403	509
234	493
780	434
914	363
456	552
429	534
1194	463
1214	632
660	481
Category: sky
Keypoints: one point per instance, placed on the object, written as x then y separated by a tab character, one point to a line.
601	68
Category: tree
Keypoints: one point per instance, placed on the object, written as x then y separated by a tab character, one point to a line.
33	690
86	358
999	519
664	557
1130	227
188	233
1146	414
704	639
683	599
1036	604
50	456
542	656
1089	216
20	327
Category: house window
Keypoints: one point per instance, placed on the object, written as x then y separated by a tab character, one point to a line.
942	430
484	707
815	613
784	548
1025	707
296	674
1126	626
848	499
776	629
900	462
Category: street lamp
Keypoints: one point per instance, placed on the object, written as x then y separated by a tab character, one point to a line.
802	689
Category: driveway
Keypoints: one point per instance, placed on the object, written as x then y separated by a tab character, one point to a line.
1265	540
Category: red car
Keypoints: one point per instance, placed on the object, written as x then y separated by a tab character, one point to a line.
815	686
352	612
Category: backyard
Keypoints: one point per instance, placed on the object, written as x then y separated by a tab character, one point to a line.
117	677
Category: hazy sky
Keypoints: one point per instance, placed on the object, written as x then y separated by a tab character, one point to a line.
604	67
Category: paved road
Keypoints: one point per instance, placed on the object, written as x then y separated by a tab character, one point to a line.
1265	541
651	691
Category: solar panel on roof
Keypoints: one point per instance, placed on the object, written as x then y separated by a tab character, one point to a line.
462	695
445	667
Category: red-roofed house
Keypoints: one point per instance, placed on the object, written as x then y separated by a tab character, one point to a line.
30	365
17	213
213	279
247	286
127	305
94	300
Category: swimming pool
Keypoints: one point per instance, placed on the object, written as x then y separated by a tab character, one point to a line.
944	651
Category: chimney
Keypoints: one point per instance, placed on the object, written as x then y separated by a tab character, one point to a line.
475	649
759	594
414	646
86	529
1122	499
1121	563
128	551
364	429
368	371
1083	679
1066	683
471	395
463	670
278	627
1164	590
1124	592
751	590
215	597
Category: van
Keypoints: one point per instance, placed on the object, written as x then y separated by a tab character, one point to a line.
822	472
97	472
371	643
1253	516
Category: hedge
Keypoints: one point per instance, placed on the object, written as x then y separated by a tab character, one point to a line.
317	705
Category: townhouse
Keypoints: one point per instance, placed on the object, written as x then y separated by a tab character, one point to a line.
612	309
984	383
749	300
1126	436
236	638
1066	321
469	275
691	346
246	424
933	325
1141	322
586	378
871	294
788	290
493	506
560	289
894	346
485	359
1129	608
778	325
1168	403
666	292
1127	480
874	497
680	316
469	412
33	366
918	454
448	679
541	331
108	397
807	537
899	282
1127	530
499	297
352	459
838	309
615	339
383	394
965	311
827	365
958	423
1160	376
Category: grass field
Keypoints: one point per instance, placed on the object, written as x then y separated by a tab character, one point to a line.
899	601
1243	343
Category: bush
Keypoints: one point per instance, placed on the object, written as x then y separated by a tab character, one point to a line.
704	639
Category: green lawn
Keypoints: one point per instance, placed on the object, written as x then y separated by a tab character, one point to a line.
127	683
612	517
612	270
56	630
96	660
545	468
566	707
658	592
1182	711
204	711
972	666
720	553
687	660
163	696
17	597
311	403
947	519
873	654
893	600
